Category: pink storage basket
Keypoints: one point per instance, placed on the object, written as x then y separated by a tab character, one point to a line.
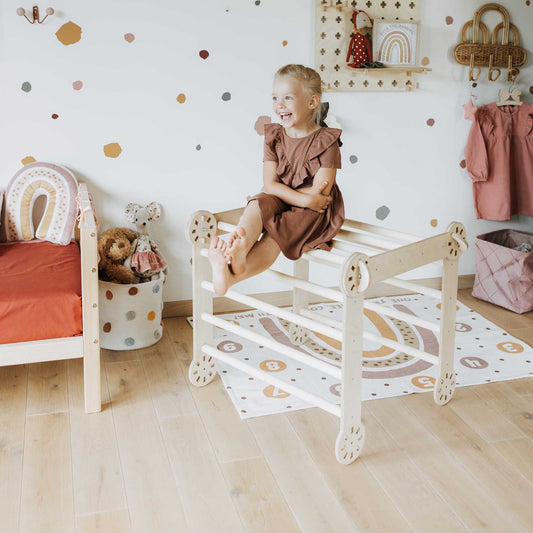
504	276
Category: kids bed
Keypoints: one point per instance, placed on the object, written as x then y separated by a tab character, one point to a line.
364	255
49	293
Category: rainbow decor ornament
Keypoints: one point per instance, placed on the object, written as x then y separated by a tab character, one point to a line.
395	43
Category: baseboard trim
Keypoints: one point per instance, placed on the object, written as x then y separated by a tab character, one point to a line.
284	298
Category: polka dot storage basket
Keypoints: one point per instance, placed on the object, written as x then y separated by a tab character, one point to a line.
130	315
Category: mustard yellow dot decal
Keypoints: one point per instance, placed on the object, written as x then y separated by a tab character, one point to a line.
27	160
181	98
510	347
434	222
69	33
271	365
284	43
112	150
151	315
425	61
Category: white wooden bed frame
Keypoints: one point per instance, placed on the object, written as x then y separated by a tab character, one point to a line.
86	345
365	255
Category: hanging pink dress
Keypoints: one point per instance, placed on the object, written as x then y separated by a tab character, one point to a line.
499	159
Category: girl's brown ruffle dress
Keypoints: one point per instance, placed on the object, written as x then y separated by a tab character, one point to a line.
298	229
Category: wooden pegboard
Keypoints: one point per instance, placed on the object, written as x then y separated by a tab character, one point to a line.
333	28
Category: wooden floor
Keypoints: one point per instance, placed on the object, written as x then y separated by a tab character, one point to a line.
165	456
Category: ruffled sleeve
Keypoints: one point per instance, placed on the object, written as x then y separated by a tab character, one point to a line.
272	137
323	153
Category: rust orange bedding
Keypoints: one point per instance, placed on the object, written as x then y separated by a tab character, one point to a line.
40	291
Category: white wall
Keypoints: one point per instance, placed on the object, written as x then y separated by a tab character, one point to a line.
129	96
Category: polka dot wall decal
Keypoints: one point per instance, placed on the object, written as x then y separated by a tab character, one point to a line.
112	150
449	20
462	164
129	37
434	222
430	121
259	125
107	327
69	33
226	96
204	54
26	87
284	43
77	85
55	115
28	159
133	291
353	159
382	212
181	98
198	146
425	61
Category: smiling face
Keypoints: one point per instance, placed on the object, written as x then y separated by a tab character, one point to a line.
293	105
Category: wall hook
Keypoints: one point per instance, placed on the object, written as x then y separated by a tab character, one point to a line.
22	13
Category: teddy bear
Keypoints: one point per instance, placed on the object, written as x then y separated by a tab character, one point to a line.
115	247
146	260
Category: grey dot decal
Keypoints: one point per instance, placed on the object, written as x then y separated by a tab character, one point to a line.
26	87
157	334
226	97
353	159
130	341
155	289
130	315
382	212
198	147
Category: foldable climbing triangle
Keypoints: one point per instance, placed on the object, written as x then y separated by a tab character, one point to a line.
364	255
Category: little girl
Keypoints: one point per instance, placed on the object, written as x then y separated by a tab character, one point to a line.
300	207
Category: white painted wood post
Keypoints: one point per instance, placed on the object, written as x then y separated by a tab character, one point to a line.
354	281
201	229
445	384
300	300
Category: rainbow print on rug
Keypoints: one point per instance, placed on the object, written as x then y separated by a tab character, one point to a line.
484	353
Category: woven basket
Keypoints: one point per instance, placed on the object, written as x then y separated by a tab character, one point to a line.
478	51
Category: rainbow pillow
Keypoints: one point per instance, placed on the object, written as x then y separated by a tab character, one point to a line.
60	188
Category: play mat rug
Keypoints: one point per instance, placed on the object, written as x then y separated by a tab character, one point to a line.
484	353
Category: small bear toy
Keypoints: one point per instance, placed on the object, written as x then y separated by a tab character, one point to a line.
115	247
146	260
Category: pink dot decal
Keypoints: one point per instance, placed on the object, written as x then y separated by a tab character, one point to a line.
129	37
430	121
449	20
204	54
77	85
259	125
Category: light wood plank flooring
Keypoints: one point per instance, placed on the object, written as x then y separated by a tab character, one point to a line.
165	456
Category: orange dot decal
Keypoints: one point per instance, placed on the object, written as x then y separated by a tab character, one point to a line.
129	37
204	54
109	295
112	150
181	98
77	85
284	43
69	33
151	315
27	160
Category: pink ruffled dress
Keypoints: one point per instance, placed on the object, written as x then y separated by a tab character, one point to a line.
298	229
145	261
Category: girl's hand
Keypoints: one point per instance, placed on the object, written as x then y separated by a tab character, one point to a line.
316	200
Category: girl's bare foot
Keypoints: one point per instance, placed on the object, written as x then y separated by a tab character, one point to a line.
236	250
221	273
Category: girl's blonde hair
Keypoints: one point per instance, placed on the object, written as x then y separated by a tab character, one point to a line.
312	83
